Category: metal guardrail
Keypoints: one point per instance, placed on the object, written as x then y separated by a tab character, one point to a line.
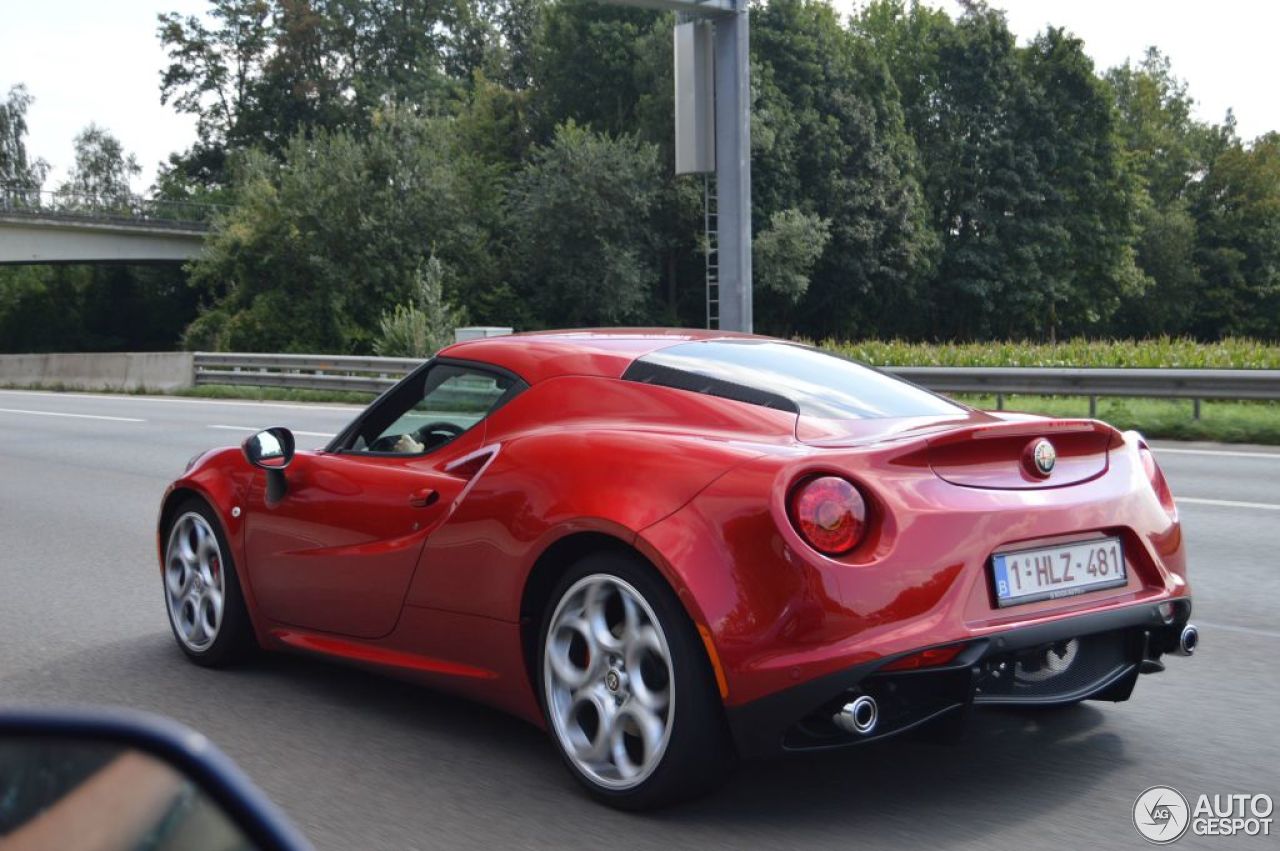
373	375
306	372
1194	384
116	209
1060	381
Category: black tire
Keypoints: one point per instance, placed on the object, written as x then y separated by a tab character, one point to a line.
699	752
235	640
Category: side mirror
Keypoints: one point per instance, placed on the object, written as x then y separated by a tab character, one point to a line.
271	449
114	779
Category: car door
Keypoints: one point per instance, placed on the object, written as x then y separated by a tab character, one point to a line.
338	551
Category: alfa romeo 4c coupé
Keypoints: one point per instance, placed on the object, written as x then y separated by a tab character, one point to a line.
675	549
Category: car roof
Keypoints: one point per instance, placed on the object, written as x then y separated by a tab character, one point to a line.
607	352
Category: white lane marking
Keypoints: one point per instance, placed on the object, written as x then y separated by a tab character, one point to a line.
1225	503
75	416
1247	630
1224	453
124	397
256	428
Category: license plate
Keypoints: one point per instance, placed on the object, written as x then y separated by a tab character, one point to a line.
1046	573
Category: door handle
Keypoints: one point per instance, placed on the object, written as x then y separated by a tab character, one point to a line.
424	497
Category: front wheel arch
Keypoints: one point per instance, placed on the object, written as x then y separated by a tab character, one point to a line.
169	507
220	495
235	634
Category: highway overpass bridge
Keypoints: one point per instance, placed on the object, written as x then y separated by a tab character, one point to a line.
56	228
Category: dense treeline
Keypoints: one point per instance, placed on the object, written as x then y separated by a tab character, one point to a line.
915	175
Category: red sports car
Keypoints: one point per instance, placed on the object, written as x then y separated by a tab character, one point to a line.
677	548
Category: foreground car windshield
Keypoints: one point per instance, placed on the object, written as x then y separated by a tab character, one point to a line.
787	377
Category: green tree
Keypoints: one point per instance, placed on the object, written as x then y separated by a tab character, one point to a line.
1169	151
18	172
517	24
785	253
914	174
425	324
93	308
321	244
1237	210
103	172
257	72
1028	190
589	66
1167	145
216	65
1090	207
828	139
40	309
982	186
582	212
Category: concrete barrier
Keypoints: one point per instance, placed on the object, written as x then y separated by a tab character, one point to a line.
100	370
476	332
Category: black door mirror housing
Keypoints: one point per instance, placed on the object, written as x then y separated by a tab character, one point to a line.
271	449
110	778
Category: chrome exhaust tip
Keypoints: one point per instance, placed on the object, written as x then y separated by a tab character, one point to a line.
859	716
1188	641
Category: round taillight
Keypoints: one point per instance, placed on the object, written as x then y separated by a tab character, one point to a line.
829	513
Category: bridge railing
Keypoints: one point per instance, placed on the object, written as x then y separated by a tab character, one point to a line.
115	207
371	374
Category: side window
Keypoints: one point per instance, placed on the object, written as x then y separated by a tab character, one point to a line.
431	412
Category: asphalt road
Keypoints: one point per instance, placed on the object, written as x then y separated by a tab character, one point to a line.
363	762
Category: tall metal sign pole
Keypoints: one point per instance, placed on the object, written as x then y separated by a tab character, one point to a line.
713	135
733	168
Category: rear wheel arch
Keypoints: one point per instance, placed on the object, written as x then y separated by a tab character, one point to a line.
697	749
543	577
556	560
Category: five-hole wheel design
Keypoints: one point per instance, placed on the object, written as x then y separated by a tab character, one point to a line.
608	680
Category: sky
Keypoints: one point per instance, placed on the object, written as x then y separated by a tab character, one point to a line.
100	60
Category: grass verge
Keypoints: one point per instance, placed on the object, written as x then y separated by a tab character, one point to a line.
274	394
217	391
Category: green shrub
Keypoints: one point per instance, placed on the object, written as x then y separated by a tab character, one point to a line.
423	326
1160	352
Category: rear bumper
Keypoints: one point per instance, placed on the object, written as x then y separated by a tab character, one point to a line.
1111	648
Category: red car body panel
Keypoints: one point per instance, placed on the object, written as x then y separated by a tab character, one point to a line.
346	566
788	614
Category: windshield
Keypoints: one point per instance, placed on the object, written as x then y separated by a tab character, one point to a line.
786	376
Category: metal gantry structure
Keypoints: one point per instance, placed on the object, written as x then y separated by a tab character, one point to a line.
713	138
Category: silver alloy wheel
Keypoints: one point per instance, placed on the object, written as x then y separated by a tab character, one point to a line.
609	683
194	581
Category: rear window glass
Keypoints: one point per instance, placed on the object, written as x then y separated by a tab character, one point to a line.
788	377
